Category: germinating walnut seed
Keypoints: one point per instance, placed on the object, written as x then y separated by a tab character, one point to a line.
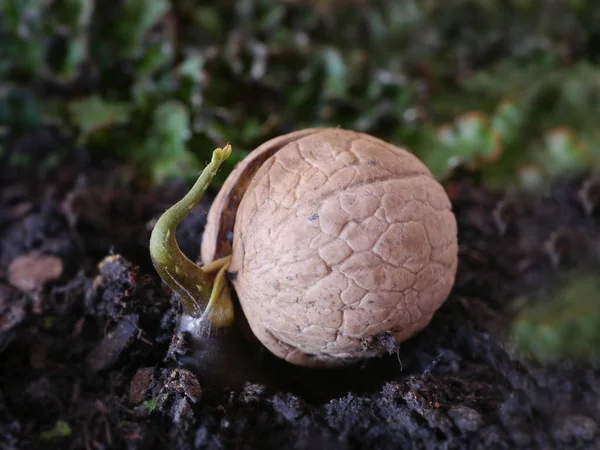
338	237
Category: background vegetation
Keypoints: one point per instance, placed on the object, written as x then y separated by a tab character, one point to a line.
513	83
508	89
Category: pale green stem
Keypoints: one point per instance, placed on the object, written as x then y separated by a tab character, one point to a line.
219	310
193	285
216	265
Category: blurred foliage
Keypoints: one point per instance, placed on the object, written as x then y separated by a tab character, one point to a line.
565	324
505	87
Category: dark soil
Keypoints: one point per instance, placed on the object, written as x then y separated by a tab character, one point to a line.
86	337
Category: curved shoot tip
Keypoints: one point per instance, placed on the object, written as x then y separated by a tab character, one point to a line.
221	154
190	282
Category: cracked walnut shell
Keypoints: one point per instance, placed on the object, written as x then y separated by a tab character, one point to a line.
338	239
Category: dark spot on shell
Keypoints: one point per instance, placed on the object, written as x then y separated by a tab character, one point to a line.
232	275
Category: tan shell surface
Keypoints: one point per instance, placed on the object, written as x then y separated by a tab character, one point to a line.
341	238
221	217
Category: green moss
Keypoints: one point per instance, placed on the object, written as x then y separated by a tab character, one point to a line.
565	325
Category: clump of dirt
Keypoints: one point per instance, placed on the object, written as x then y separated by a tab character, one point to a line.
88	358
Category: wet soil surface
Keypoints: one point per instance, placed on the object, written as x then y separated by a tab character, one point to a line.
88	359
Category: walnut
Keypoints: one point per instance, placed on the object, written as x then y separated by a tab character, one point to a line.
336	238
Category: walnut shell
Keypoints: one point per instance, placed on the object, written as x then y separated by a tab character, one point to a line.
339	238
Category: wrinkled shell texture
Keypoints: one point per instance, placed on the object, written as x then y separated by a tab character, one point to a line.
341	238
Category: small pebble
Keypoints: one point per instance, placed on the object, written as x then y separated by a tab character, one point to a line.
466	419
140	384
576	427
108	350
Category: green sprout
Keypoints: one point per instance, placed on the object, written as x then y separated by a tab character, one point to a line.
150	405
61	429
203	290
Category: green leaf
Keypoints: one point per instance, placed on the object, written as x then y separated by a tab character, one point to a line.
73	14
150	405
208	18
136	19
164	151
191	67
172	122
157	56
567	324
562	152
20	110
21	13
335	73
508	122
75	55
61	429
93	113
467	141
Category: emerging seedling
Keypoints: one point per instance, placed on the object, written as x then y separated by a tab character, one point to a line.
203	290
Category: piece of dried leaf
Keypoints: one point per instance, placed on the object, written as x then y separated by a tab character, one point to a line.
30	272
